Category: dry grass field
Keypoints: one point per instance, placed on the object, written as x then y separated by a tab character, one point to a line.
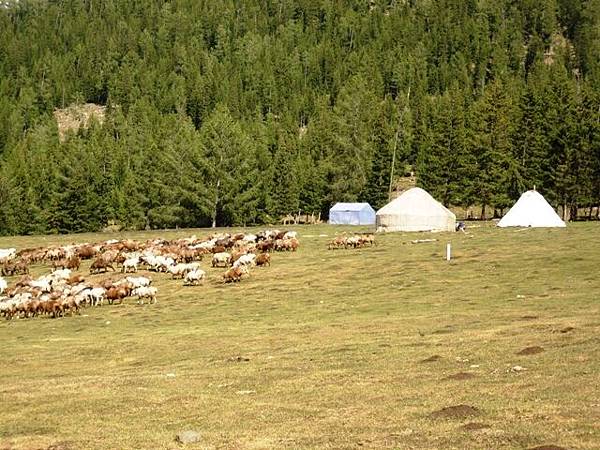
383	347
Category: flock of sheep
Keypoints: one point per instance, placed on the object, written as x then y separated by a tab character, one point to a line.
353	241
64	292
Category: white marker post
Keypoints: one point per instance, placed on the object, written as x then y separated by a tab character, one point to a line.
448	251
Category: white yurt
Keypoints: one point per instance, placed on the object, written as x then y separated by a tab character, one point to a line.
531	210
415	210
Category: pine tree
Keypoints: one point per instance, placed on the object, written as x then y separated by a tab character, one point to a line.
492	119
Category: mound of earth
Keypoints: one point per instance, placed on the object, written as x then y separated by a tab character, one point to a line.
432	358
456	412
531	350
461	376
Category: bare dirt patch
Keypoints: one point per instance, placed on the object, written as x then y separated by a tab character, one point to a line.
474	426
456	412
548	447
531	350
60	446
432	358
78	116
460	376
446	330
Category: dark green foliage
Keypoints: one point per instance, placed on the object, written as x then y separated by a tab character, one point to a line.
225	113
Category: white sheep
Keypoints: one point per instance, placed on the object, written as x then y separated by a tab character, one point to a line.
181	269
250	238
60	274
44	284
194	277
290	235
222	258
206	245
137	282
94	296
3	285
245	260
130	264
160	263
143	292
6	254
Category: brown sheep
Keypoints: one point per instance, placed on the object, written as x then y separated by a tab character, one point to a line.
233	275
115	293
18	268
263	259
53	307
73	263
292	244
236	255
86	252
8	269
75	279
71	305
100	264
265	246
32	308
23	281
218	249
106	283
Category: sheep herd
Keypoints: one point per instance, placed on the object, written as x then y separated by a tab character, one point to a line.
353	241
63	292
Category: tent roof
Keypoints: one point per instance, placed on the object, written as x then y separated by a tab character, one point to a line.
415	202
350	207
531	210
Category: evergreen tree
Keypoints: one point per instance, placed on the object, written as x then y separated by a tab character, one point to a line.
492	119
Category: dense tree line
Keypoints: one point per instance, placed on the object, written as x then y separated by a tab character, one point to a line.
236	112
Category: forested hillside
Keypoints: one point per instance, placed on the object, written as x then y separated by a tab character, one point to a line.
240	111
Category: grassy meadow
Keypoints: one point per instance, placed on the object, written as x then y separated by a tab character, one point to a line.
342	349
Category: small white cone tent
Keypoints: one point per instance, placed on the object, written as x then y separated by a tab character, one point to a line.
531	210
415	210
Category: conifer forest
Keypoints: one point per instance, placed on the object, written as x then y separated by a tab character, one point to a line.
240	112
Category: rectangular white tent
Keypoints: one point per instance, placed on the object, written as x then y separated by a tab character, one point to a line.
352	214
